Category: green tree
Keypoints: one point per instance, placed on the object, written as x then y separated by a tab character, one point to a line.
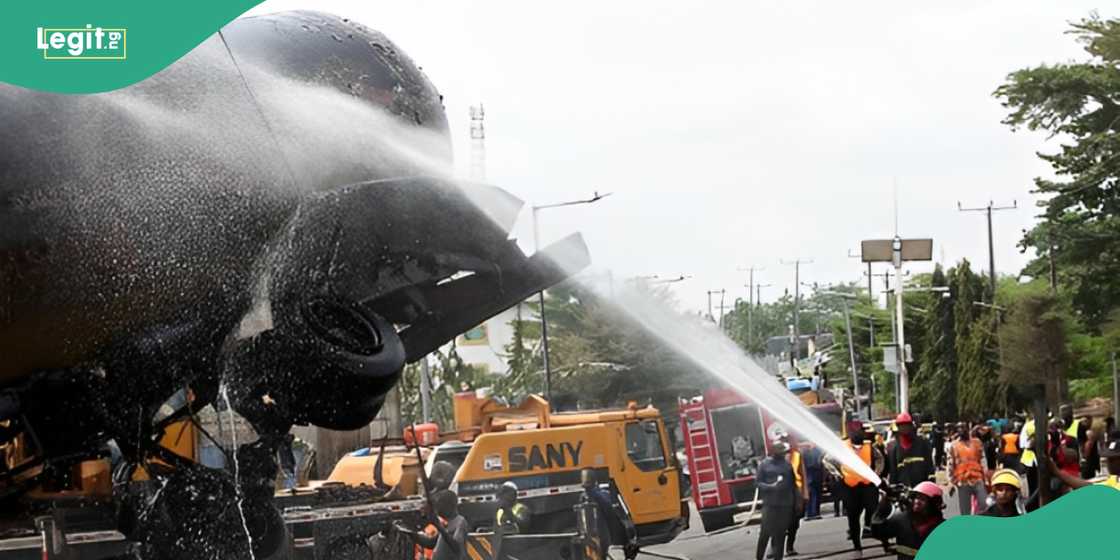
449	375
935	380
600	357
974	333
1080	227
1035	342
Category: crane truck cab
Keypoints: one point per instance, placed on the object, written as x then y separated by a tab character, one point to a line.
543	453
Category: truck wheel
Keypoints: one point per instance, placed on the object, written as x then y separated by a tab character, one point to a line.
716	520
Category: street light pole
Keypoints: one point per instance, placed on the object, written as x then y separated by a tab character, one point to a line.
903	376
544	321
899	328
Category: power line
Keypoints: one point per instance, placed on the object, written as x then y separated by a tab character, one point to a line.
991	244
795	352
750	300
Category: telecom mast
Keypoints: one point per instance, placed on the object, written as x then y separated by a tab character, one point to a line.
478	144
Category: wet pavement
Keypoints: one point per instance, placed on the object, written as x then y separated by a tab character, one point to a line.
824	538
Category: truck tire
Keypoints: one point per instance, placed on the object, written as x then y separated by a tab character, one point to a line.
716	520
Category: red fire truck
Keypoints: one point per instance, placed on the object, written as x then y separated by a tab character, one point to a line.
726	436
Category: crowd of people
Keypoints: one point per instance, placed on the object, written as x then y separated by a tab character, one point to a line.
989	467
445	535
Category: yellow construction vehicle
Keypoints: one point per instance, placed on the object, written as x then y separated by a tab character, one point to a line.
543	452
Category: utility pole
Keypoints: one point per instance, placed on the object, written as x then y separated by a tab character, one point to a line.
897	251
712	317
795	351
750	299
898	358
750	311
722	294
886	276
425	390
478	143
903	375
851	347
870	292
991	243
758	292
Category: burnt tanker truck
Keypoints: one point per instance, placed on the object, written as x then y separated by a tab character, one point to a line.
269	222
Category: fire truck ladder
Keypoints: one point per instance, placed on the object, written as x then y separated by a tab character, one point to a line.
700	441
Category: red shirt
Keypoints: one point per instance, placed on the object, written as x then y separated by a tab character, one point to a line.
1066	465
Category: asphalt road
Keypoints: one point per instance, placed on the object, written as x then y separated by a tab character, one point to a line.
825	538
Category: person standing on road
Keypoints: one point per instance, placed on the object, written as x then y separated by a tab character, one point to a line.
937	442
909	457
814	478
606	518
1009	449
451	542
859	494
776	487
1076	431
967	470
1090	449
911	526
801	496
1005	488
991	446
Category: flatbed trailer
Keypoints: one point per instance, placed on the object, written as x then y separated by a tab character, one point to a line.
350	531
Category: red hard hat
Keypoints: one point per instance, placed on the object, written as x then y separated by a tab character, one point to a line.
929	489
904	418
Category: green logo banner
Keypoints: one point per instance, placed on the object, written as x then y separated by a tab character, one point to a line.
75	46
1078	525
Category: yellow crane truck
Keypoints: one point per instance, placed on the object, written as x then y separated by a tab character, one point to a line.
351	515
543	452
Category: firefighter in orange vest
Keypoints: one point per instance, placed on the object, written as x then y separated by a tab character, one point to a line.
860	495
967	470
801	497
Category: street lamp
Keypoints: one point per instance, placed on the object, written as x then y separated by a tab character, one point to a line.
680	278
536	248
844	297
898	326
898	251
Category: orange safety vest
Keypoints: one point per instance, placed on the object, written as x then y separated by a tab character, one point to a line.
795	462
968	468
1010	444
423	553
851	478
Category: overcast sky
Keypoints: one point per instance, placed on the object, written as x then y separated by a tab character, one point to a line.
742	133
